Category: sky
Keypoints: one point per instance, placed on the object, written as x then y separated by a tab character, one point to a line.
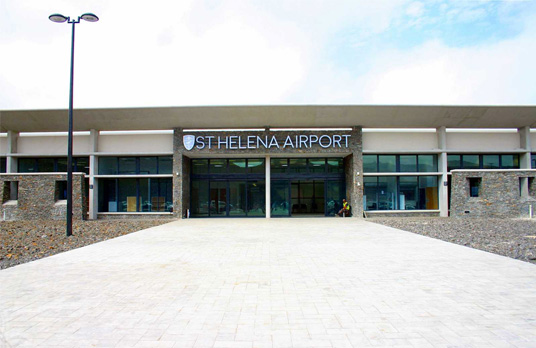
268	52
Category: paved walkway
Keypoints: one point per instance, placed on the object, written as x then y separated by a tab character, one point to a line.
270	283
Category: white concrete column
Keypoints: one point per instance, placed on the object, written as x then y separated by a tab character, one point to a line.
442	167
93	170
267	195
524	140
12	139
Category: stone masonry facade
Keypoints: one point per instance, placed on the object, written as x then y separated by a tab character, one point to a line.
37	197
500	194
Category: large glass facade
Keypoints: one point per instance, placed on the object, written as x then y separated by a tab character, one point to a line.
401	193
3	164
227	187
132	165
488	161
51	164
128	195
399	163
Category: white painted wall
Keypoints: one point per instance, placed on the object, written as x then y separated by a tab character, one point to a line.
399	142
135	143
482	142
3	145
52	145
533	140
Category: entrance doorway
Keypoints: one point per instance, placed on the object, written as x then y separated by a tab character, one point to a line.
307	197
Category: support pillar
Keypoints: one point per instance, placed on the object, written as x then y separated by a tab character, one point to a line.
353	165
12	140
442	167
525	144
267	195
93	170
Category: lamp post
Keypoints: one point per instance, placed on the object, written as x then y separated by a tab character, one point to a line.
58	18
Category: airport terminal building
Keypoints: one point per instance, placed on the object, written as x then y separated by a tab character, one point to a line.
271	161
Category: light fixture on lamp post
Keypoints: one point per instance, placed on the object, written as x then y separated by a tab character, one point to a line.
58	18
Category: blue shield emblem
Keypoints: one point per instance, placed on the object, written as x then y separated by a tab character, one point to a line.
188	141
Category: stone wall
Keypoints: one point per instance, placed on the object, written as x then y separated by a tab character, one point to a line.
499	194
37	197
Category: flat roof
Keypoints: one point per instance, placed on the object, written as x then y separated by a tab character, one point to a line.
277	116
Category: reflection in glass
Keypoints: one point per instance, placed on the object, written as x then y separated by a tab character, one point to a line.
27	165
335	165
200	198
218	198
490	162
408	196
165	165
107	165
334	195
127	197
471	161
370	194
256	166
107	195
237	166
45	165
318	165
127	165
510	161
280	198
298	165
278	165
148	165
427	163
199	166
408	163
387	193
370	163
386	163
217	166
256	199
453	162
237	198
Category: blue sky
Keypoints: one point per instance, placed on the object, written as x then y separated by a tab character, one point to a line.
174	53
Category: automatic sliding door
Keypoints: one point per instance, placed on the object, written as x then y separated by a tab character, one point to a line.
280	194
237	198
218	198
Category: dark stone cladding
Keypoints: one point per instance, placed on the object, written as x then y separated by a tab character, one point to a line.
353	159
37	197
408	213
499	194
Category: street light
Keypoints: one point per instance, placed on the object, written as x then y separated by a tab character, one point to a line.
58	18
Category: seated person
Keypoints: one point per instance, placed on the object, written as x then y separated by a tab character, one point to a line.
345	210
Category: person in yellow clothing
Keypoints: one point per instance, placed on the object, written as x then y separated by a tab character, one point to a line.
345	210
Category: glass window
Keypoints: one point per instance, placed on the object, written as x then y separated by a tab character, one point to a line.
218	166
474	186
533	160
510	161
61	190
165	165
3	164
199	166
127	195
218	198
127	165
165	189
409	193
370	163
386	163
27	165
280	198
408	163
335	165
107	195
453	162
428	193
80	164
370	196
427	163
471	161
490	162
148	165
318	165
256	166
200	198
298	165
387	193
107	165
237	198
278	165
146	194
334	195
256	200
45	165
237	166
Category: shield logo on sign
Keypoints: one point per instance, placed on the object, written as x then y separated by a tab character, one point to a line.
188	141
